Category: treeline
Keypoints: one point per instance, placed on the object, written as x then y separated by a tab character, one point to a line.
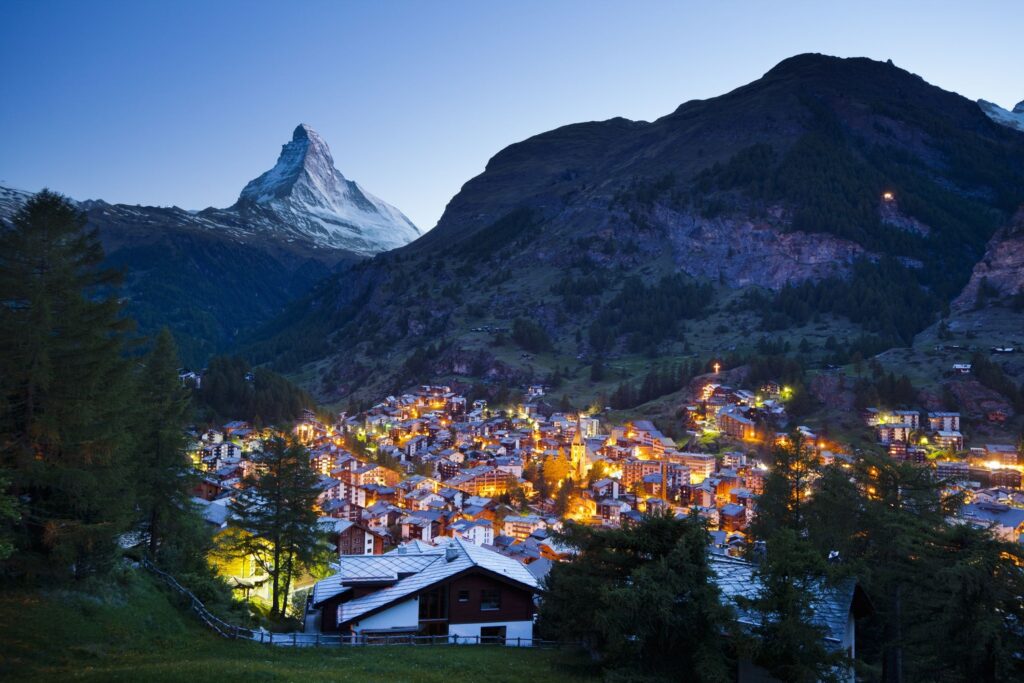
232	389
648	314
661	380
575	291
886	390
530	336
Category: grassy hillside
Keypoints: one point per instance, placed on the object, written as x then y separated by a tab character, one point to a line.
131	631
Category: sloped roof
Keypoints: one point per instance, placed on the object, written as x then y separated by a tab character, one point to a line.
831	604
428	566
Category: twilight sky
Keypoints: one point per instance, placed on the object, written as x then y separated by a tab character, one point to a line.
182	103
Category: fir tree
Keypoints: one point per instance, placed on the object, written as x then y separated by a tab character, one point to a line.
163	472
274	520
67	387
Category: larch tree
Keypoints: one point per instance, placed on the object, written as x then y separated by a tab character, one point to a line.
163	471
65	426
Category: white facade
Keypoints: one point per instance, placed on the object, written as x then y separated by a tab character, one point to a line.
403	616
516	632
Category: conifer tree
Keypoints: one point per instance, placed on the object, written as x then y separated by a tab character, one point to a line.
162	470
274	521
642	600
65	425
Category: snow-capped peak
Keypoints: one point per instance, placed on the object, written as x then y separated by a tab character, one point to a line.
1011	119
308	196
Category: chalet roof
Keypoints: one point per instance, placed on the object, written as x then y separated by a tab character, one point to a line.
736	578
425	567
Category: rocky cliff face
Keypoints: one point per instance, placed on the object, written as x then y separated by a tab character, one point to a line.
1000	273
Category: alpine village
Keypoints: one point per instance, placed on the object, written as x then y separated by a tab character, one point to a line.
736	394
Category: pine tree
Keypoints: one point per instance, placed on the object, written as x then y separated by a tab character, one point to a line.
274	521
781	505
67	387
162	468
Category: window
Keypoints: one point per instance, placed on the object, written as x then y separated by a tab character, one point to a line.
490	599
434	604
463	596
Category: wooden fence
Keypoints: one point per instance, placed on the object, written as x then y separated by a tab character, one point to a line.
232	631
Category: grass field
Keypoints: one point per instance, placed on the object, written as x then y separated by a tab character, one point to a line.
130	631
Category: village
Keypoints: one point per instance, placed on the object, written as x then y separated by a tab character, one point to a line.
450	504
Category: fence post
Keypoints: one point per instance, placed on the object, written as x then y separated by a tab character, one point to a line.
295	637
318	639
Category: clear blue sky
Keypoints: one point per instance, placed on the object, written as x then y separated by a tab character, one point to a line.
184	102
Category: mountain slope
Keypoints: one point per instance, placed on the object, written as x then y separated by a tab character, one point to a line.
873	187
218	273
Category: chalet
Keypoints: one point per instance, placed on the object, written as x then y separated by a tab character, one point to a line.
351	538
956	470
733	517
909	417
477	532
521	526
702	465
458	590
735	424
610	510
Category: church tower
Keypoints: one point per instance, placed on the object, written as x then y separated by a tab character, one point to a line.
578	456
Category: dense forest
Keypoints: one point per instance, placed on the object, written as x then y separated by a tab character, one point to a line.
232	389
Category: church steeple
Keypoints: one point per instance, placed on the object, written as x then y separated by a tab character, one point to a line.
578	456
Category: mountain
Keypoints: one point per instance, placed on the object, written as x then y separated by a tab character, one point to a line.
306	197
832	199
215	274
1011	119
